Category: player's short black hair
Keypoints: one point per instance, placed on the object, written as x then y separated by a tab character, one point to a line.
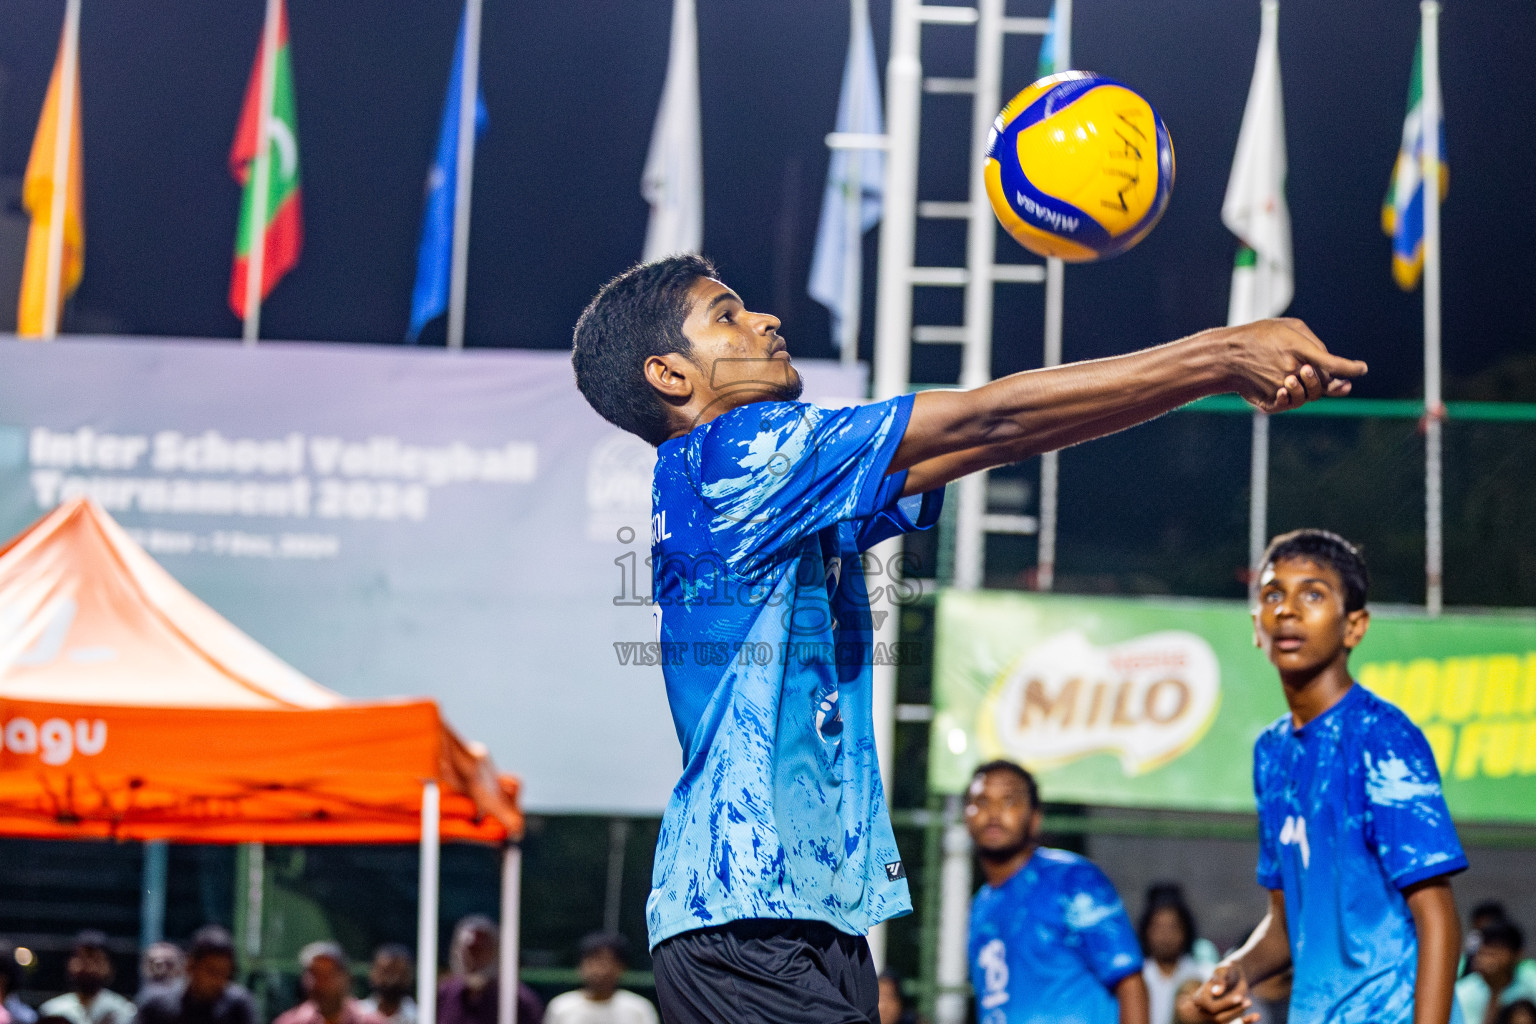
1016	770
1168	896
211	940
637	315
1325	548
599	942
1504	934
1492	909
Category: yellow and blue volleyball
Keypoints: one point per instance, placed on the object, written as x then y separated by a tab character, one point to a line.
1079	166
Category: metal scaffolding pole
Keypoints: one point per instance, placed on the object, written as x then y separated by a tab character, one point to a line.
1434	411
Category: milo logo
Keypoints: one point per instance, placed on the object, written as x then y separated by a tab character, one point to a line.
1146	700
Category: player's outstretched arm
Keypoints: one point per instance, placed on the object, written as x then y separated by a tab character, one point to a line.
1135	1004
1434	918
1267	952
1274	364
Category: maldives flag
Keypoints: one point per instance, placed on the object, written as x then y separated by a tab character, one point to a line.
279	208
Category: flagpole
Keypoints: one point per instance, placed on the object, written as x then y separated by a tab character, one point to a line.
261	172
1429	119
853	191
1055	283
1258	463
463	170
63	139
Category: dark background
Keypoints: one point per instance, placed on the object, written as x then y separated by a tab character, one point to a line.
572	90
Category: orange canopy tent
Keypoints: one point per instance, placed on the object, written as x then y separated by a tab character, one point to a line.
131	710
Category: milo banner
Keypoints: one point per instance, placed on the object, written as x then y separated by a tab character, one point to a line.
1156	703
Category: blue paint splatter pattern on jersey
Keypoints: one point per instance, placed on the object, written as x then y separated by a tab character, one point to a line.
1049	945
759	522
1350	814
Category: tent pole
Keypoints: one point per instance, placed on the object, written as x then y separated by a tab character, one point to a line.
152	892
511	910
426	912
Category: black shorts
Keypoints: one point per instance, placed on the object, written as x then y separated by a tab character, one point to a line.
773	972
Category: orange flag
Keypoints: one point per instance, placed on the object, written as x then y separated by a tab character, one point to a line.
37	198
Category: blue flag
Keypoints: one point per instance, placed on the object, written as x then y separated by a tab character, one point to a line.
429	299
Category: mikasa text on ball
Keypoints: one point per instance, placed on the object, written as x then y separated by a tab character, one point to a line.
1079	166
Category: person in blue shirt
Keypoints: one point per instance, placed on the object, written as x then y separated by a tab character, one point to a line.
1050	940
776	853
1356	844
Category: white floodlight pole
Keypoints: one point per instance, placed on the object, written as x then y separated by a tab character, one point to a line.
426	905
464	170
63	139
893	333
1258	499
261	173
511	910
1429	175
1055	281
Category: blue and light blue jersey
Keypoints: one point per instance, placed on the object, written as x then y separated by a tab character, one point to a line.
1049	945
1350	814
763	598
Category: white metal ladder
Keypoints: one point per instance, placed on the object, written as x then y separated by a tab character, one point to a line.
894	330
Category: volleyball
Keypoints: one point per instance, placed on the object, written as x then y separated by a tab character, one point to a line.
1079	166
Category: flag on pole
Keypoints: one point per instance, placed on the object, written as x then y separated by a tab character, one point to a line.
284	225
1402	211
1254	209
434	258
673	180
1046	64
37	193
858	111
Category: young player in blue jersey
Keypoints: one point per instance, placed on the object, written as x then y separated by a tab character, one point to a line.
1356	845
1050	939
776	853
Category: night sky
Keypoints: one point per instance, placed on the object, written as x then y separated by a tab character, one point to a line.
572	90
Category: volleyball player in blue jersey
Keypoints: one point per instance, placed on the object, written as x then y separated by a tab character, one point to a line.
776	853
1356	845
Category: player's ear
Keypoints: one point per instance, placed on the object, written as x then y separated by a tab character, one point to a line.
1258	637
1355	625
670	374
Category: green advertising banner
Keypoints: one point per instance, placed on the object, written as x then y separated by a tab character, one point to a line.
1156	703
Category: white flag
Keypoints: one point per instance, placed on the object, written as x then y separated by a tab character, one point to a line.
836	264
1255	210
673	180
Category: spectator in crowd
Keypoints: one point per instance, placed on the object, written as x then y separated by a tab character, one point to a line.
604	955
1484	914
1493	982
391	979
88	1000
1167	934
893	1002
470	995
161	966
328	990
10	985
208	994
1521	1011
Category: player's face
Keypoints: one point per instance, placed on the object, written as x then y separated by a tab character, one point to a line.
1300	621
999	815
742	355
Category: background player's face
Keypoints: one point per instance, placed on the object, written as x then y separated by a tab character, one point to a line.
1300	621
1165	935
741	354
999	814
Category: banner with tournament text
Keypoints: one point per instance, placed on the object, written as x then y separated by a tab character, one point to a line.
1156	703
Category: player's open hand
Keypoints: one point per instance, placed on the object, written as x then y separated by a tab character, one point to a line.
1222	999
1280	364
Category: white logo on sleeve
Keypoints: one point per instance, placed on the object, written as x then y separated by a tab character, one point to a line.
993	960
1294	833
